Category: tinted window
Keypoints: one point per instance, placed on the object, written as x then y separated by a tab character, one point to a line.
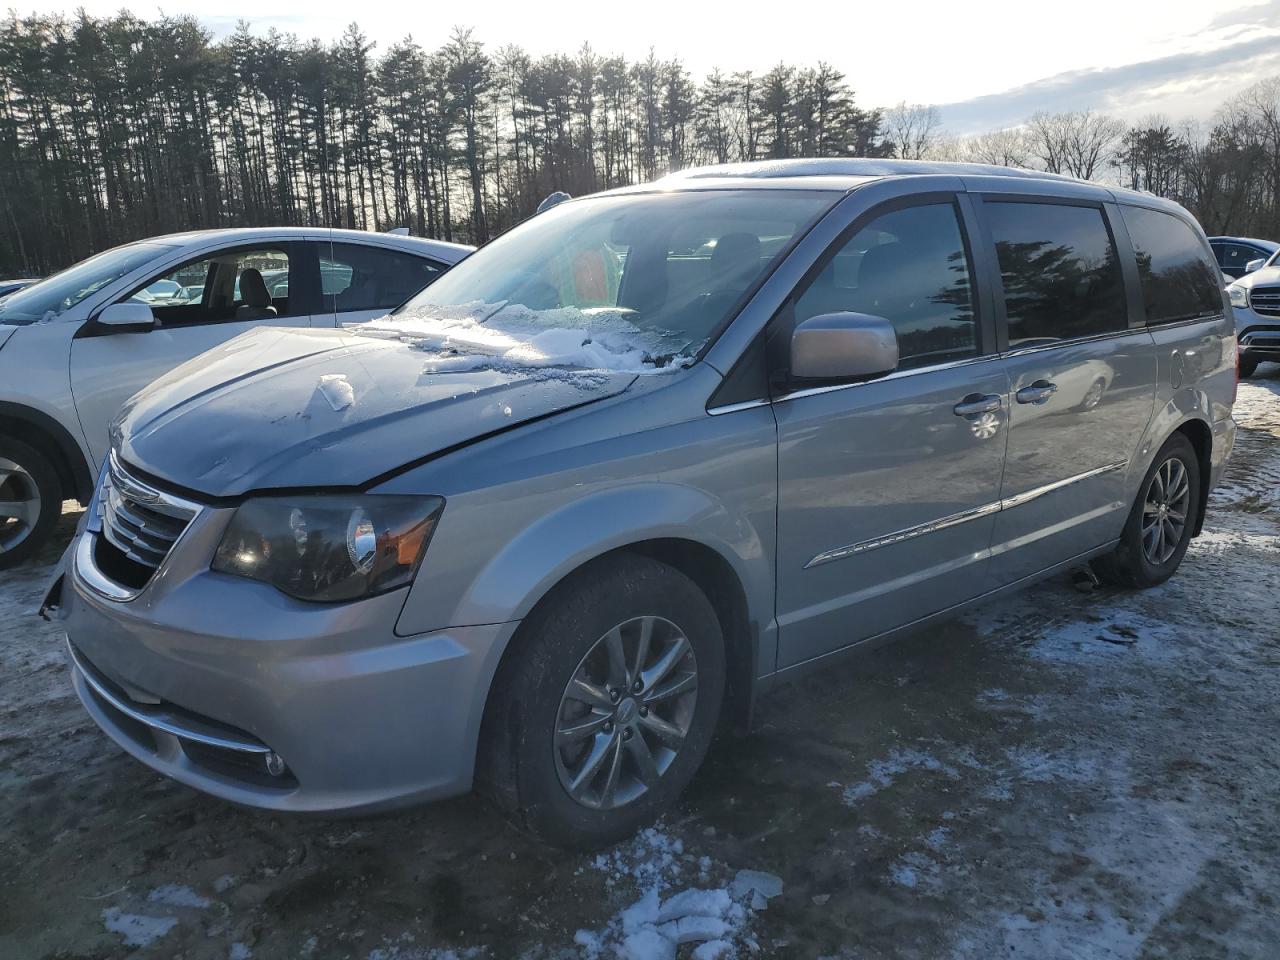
908	266
232	285
1239	256
1061	277
357	277
1179	281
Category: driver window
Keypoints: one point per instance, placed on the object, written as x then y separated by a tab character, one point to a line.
910	267
233	286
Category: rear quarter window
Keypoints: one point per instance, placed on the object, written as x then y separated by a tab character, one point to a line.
1179	280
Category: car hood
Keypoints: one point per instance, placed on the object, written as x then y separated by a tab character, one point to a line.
5	333
278	408
1267	275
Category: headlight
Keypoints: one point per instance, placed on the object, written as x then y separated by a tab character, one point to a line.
1239	296
329	547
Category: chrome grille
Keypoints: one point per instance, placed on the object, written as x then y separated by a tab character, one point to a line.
140	521
1265	300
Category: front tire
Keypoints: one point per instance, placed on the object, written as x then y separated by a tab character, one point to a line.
30	501
1247	368
606	706
1161	523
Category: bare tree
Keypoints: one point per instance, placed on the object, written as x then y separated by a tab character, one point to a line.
913	129
1080	144
1004	148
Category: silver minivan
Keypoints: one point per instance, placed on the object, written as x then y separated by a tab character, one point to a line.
566	513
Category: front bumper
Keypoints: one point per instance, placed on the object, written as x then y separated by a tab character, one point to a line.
1257	335
203	678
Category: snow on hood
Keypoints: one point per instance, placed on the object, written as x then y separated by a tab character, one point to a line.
288	407
506	336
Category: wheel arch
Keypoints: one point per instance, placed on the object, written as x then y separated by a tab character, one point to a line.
53	440
1200	434
714	575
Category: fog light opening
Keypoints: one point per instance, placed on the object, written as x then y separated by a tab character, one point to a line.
275	764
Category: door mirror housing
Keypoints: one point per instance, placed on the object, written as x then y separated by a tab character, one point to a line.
127	317
1253	265
843	346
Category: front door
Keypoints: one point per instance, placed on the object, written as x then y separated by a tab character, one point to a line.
1081	380
197	306
888	489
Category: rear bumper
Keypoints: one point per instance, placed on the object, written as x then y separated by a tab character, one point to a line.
361	719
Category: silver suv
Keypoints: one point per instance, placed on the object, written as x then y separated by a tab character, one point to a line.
551	524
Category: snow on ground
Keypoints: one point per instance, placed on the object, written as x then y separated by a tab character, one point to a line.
1065	776
511	336
668	913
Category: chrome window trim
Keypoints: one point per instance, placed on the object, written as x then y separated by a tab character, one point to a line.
951	364
735	407
1075	341
1187	322
896	375
964	516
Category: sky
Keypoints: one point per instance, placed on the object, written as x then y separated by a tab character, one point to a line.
986	64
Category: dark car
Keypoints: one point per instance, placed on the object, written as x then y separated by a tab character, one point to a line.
1236	253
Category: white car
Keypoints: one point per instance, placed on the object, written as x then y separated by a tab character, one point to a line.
1255	300
76	346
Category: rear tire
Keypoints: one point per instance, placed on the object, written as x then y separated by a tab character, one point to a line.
30	501
531	764
1155	540
1247	368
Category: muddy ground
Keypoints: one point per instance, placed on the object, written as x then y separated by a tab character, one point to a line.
1067	774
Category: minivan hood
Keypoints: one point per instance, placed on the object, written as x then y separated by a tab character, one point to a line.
278	408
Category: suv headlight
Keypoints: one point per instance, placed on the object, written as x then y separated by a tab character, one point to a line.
1239	295
328	548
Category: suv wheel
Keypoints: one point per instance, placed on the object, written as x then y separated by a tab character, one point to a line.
30	501
1247	368
607	704
1158	531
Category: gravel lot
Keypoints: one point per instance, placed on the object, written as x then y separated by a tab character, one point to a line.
1066	775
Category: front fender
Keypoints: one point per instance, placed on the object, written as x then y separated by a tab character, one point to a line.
558	542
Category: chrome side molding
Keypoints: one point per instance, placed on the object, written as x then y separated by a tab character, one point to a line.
964	516
910	533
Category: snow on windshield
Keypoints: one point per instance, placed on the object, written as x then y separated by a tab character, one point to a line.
505	335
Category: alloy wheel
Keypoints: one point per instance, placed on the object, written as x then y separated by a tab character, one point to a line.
625	712
19	504
1165	511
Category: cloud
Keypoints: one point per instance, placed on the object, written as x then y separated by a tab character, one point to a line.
1263	14
1188	84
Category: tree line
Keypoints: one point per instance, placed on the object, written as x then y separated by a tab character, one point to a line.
116	128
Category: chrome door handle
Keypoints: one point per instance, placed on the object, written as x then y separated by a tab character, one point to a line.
1038	392
975	404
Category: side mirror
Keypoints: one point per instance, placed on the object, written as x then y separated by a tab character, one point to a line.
1253	265
127	317
843	346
